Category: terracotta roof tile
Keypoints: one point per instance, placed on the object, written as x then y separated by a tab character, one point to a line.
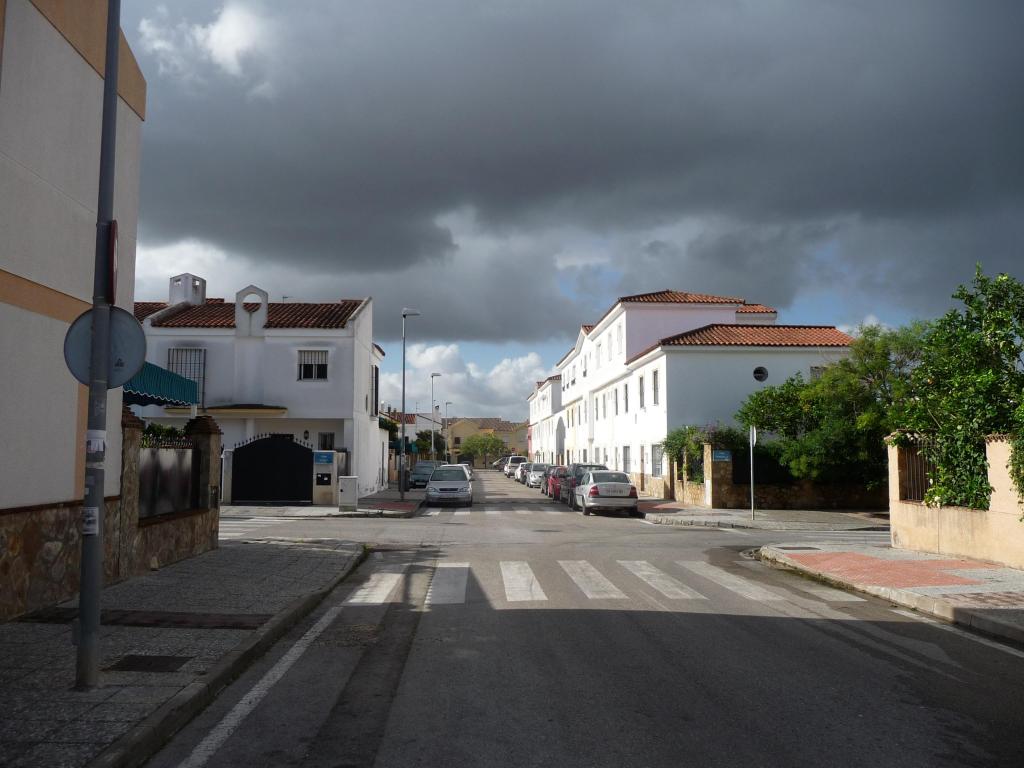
760	309
727	335
586	328
221	314
678	297
144	309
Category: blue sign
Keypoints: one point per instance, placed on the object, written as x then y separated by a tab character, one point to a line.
720	454
323	457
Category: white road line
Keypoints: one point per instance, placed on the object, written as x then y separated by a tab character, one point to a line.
223	730
520	583
668	586
524	512
462	512
377	588
957	631
730	581
554	511
492	512
590	580
433	512
448	587
736	531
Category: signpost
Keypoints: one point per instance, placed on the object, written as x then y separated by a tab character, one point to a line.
753	442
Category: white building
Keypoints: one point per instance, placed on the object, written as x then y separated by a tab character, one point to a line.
662	360
51	96
309	370
547	434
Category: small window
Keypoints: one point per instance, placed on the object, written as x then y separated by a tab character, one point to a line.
596	412
625	397
625	458
641	391
325	441
654	387
190	362
458	440
604	405
616	401
312	365
657	459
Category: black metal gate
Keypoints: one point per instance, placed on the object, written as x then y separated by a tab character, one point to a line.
272	469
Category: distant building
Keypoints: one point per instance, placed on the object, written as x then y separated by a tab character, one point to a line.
512	434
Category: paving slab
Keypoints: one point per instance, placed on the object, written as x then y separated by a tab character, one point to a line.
986	596
175	637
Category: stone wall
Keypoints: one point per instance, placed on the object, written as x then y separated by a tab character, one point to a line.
995	534
801	494
40	547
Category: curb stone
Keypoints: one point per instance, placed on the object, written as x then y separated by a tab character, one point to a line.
146	738
386	513
766	525
927	604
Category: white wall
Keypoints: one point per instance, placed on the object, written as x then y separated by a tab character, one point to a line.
50	116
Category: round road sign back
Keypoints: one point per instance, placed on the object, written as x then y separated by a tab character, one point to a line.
127	347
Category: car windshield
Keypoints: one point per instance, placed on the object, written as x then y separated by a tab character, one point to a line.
540	467
448	474
610	477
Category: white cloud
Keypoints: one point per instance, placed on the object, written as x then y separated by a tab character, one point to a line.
869	319
500	391
236	38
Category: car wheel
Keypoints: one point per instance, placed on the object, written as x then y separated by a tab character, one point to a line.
586	511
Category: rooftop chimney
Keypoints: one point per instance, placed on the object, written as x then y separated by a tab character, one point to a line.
188	289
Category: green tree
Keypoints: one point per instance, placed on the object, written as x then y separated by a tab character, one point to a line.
833	428
970	384
423	443
484	445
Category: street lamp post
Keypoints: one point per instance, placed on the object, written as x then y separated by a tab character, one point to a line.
447	431
406	312
433	453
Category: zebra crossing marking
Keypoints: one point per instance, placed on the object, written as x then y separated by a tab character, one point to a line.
492	511
238	529
433	512
669	586
448	586
378	587
520	583
591	581
462	512
730	581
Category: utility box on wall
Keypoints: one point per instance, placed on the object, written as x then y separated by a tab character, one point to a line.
325	474
348	493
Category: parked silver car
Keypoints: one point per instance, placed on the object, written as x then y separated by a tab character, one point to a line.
450	485
604	489
537	475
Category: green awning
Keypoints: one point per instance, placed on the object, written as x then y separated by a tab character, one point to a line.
154	385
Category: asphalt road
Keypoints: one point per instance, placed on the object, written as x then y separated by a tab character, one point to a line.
518	633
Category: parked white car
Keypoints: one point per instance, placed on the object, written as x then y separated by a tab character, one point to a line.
605	489
463	467
537	475
512	463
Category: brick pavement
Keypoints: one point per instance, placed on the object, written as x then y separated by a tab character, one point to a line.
188	620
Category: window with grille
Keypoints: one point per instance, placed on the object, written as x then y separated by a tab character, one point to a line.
654	387
625	397
641	391
374	390
325	441
616	402
625	458
190	362
312	365
657	459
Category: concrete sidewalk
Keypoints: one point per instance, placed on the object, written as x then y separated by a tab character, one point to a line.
986	596
381	504
666	512
171	640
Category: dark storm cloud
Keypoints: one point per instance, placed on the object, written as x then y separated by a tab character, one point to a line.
818	141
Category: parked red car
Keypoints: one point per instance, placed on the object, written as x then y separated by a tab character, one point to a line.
555	476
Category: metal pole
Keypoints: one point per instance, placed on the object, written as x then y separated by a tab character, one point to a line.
401	459
447	431
432	456
87	671
753	442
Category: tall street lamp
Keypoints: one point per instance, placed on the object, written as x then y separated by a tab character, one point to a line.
406	312
447	431
433	453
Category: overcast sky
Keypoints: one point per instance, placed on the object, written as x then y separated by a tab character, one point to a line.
508	168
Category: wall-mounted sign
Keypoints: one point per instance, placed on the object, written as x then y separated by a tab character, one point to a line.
323	457
721	454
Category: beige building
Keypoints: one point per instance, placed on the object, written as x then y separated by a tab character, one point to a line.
512	434
51	94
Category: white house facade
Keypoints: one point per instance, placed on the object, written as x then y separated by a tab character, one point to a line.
309	370
658	361
547	429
